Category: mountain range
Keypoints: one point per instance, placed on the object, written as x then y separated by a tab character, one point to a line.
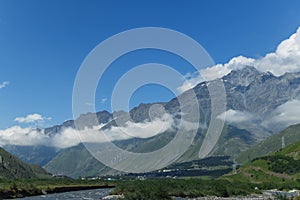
259	104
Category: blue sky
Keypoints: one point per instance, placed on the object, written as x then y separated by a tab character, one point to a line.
43	43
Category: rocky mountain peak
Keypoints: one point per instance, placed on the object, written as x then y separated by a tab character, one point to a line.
243	76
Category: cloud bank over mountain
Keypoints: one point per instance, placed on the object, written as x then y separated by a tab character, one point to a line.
286	58
235	116
284	115
69	137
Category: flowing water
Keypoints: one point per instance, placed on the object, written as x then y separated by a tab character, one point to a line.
83	194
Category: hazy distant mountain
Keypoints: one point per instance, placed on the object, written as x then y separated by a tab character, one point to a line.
40	155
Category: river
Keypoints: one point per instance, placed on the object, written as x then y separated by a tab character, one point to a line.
83	194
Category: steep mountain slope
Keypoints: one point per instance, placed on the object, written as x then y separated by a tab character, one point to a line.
232	142
279	169
75	162
271	144
12	167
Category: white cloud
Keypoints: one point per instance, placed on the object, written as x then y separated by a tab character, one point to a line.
235	116
214	72
31	118
286	58
71	137
68	137
103	100
89	104
191	80
220	70
17	135
284	115
145	129
4	84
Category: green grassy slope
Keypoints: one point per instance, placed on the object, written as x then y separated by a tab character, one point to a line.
280	169
12	167
271	144
75	162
